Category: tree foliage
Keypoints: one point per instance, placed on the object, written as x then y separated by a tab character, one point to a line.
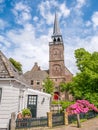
48	86
16	64
85	84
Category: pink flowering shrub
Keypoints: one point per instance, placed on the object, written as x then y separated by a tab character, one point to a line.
81	106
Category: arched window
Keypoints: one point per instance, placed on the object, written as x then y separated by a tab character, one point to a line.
54	39
58	39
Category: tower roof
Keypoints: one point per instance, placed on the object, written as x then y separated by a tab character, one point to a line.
56	29
57	36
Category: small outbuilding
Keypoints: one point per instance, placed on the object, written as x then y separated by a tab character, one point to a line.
15	94
38	102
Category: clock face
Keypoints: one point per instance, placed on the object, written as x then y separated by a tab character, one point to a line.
56	53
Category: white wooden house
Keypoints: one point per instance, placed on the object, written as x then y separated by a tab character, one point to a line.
15	94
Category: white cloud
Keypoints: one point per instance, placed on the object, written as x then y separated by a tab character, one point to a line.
95	19
29	49
22	7
4	41
64	10
22	36
1	1
50	18
94	43
88	23
81	3
35	18
3	24
46	7
22	13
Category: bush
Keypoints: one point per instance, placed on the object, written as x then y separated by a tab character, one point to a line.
64	104
81	106
26	112
55	102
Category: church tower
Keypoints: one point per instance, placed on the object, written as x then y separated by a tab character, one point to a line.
56	56
57	72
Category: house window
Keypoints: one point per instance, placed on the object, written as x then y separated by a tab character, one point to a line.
32	82
32	99
0	94
38	82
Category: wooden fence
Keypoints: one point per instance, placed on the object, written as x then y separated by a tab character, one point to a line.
52	120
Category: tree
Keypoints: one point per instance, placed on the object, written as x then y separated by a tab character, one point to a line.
48	85
85	84
16	64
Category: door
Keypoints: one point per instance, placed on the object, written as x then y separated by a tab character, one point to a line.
56	95
32	104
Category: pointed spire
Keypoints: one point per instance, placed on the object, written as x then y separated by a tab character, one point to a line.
56	29
57	37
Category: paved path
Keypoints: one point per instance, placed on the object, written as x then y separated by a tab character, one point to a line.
91	124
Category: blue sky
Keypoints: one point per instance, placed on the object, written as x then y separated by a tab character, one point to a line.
26	27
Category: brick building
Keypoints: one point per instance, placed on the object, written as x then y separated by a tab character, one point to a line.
57	72
35	77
